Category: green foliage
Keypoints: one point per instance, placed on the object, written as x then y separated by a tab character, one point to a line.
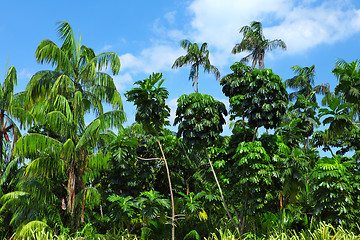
123	210
11	112
334	186
200	118
339	118
259	95
149	99
223	234
348	75
68	178
299	122
251	176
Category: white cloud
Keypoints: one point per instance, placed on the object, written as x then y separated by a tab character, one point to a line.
122	81
305	28
154	59
302	25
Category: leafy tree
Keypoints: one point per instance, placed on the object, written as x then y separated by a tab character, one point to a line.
343	132
128	175
193	204
299	122
200	120
196	57
260	96
255	42
152	112
304	82
334	186
152	204
123	211
251	177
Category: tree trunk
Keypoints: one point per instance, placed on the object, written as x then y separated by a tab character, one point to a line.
197	79
82	187
171	191
261	60
71	188
221	194
281	212
256	129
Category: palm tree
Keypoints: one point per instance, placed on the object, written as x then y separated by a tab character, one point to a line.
255	42
304	82
71	150
76	67
196	57
59	100
152	113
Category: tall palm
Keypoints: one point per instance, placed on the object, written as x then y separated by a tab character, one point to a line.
196	57
76	67
59	99
73	151
255	42
152	112
304	83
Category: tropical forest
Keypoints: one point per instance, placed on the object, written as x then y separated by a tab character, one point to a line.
71	168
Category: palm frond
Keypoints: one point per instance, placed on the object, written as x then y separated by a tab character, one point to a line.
28	230
90	135
46	166
111	119
49	52
12	164
32	144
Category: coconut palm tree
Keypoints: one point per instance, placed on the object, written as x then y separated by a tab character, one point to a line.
152	112
304	82
196	57
255	42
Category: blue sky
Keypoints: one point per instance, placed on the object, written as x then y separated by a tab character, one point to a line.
146	36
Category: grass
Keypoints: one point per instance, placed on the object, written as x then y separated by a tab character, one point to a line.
322	232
